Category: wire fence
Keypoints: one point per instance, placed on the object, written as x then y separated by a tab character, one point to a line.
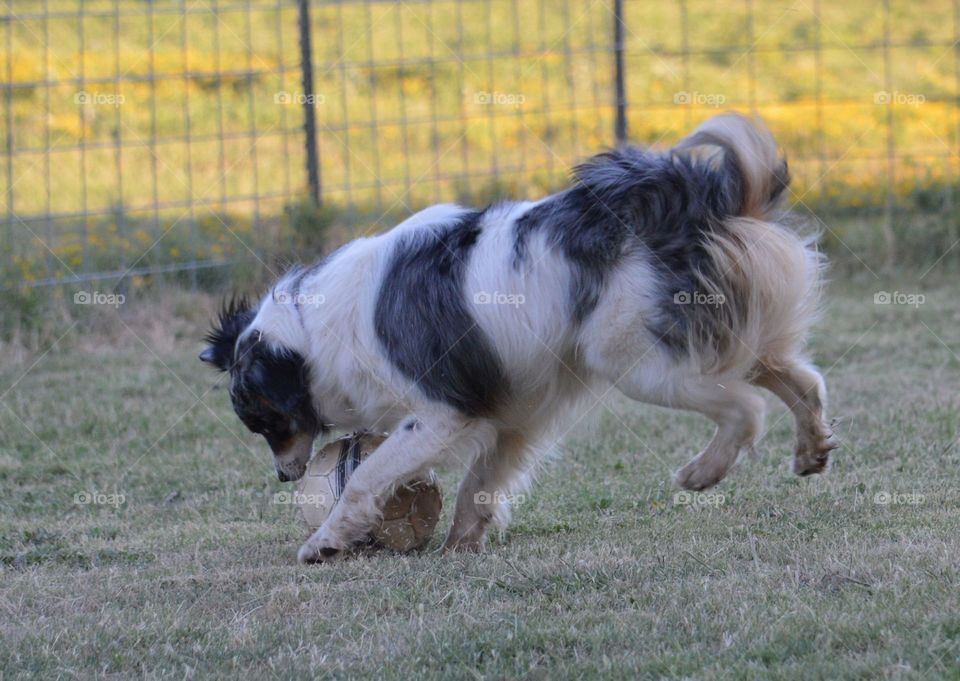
143	137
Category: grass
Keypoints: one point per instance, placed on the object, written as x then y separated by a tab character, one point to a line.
602	575
185	568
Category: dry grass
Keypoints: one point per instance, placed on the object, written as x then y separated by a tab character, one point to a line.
602	575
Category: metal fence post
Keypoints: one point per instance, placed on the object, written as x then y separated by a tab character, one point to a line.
309	110
620	129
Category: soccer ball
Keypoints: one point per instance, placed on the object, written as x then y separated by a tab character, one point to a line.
409	516
327	474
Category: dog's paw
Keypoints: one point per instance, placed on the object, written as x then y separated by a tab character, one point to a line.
700	474
320	548
464	545
813	452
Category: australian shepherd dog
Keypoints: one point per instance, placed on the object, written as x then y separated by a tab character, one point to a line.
479	335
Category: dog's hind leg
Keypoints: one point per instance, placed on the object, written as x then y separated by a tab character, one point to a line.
484	494
737	410
733	404
802	389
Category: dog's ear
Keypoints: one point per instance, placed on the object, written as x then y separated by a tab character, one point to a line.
235	316
279	377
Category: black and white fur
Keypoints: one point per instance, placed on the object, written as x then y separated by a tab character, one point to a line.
475	335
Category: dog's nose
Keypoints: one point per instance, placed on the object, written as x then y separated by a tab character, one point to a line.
282	477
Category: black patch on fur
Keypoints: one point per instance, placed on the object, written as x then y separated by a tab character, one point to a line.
590	235
270	391
630	201
235	315
423	322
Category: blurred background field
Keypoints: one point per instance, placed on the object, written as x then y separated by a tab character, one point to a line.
146	141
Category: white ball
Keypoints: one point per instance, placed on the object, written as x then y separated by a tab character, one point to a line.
409	515
327	474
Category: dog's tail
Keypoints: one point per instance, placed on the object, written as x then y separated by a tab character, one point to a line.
767	272
710	213
728	167
752	173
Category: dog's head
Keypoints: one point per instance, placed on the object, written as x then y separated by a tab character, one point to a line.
269	387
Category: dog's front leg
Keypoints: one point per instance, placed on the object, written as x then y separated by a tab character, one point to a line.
409	451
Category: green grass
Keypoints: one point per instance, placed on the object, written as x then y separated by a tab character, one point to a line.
601	575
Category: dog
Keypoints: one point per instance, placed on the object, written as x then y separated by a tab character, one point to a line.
675	277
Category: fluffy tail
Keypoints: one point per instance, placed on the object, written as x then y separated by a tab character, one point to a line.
743	151
710	213
768	274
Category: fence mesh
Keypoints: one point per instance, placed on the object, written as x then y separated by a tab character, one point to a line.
145	136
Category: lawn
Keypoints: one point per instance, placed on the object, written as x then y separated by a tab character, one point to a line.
139	537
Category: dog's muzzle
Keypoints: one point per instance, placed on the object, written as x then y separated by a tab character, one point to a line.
290	462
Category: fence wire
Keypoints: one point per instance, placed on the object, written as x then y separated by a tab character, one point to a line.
141	137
